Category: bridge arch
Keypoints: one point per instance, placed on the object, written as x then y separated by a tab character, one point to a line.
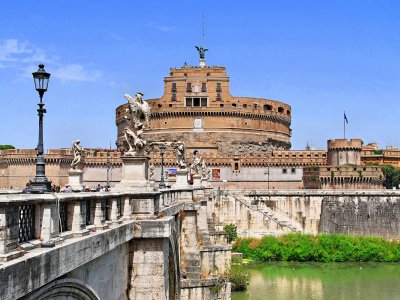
64	288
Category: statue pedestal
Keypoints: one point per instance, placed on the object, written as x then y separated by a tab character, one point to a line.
134	172
75	177
181	179
197	181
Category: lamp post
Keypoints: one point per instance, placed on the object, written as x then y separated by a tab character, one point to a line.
108	169
162	151
40	183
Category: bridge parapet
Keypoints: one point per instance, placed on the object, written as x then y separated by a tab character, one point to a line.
31	220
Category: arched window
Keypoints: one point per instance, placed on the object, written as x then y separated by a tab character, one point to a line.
280	109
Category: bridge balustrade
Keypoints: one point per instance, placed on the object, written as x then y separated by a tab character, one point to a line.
31	220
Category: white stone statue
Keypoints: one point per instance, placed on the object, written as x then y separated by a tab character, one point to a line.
77	150
197	162
135	143
180	154
151	172
205	172
138	107
134	127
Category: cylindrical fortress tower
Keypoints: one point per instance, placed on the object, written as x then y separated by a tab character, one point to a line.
197	108
344	152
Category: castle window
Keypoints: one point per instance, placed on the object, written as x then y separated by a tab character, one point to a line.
203	87
159	105
196	102
233	104
196	88
173	97
255	106
221	105
184	74
208	74
288	112
218	97
280	109
173	88
189	87
236	166
284	171
170	105
293	171
244	105
219	89
267	107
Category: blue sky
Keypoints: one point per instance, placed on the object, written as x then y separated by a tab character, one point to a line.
320	57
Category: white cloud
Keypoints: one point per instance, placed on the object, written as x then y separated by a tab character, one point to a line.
162	28
11	48
76	72
23	56
166	28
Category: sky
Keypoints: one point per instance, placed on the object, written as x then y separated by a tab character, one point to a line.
320	57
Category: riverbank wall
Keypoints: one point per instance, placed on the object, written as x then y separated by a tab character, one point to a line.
265	212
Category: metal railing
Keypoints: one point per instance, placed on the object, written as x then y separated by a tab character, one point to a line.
26	223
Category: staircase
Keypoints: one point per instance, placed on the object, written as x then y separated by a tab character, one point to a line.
277	217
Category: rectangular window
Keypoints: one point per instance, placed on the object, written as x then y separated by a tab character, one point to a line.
196	88
189	87
189	101
219	89
203	87
284	171
196	101
218	97
293	171
173	97
173	88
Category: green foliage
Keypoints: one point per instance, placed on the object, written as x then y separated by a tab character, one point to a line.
3	147
239	277
319	248
231	232
378	152
392	176
314	178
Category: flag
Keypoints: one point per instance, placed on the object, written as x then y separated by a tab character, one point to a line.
345	118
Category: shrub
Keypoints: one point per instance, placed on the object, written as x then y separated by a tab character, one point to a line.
239	276
319	248
231	232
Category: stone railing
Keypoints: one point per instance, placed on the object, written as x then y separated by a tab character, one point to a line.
29	220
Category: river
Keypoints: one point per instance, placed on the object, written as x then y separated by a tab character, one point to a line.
333	281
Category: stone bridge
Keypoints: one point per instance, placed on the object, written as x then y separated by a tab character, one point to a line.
112	245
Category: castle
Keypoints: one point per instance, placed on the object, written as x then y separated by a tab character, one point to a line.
244	141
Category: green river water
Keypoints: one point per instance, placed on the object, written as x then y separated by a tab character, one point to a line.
292	281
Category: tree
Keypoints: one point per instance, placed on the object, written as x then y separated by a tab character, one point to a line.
392	176
2	147
231	232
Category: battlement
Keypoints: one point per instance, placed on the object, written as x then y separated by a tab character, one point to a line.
345	144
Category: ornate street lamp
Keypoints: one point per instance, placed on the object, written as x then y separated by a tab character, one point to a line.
40	183
162	151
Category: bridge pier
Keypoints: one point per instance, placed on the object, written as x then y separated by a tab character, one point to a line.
149	269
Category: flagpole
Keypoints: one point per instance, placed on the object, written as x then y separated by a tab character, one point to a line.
344	126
